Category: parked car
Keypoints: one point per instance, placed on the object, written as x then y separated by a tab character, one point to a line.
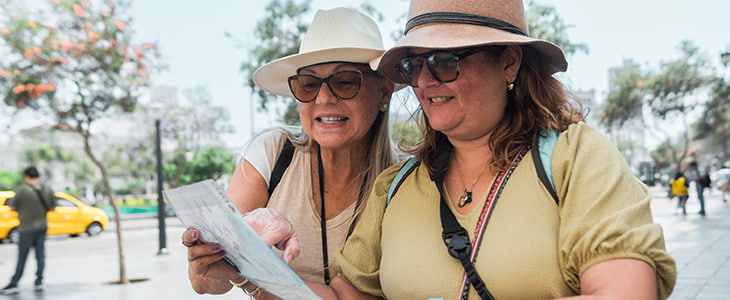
71	217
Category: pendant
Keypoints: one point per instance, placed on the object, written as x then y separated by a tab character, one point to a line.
465	198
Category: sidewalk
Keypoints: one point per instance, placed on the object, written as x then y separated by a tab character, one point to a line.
83	268
700	245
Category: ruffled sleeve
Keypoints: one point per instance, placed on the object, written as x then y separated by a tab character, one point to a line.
604	209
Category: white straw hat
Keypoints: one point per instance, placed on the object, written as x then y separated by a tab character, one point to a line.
336	35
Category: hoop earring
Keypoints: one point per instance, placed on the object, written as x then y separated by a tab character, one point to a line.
510	86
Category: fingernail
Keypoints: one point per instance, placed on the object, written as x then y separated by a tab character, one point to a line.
193	234
223	252
216	246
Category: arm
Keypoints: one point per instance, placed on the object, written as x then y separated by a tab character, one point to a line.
618	279
608	226
339	289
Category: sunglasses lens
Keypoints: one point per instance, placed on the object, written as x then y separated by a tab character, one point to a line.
443	65
346	84
304	87
409	69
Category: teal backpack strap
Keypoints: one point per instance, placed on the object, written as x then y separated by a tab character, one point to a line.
542	158
404	171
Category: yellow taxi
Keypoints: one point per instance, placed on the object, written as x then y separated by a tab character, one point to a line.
71	217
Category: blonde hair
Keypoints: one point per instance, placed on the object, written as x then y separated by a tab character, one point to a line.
538	103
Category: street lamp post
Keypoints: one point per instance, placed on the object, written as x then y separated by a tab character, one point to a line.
725	58
160	200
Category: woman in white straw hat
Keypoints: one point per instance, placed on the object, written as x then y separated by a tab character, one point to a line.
474	219
342	145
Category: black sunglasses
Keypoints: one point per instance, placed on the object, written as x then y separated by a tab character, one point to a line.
343	84
443	64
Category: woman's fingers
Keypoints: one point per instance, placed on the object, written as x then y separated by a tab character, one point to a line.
190	237
275	230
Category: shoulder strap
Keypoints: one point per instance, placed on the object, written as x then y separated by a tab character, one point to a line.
542	157
40	197
285	156
404	171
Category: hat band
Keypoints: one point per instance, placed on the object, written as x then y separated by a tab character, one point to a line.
461	18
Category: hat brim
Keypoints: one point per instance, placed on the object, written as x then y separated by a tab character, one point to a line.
272	77
450	36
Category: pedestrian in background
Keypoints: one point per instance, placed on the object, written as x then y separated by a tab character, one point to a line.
32	201
695	175
678	185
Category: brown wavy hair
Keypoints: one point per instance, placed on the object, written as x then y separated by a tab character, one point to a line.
538	103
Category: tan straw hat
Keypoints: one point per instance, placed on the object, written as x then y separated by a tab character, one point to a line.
438	24
339	34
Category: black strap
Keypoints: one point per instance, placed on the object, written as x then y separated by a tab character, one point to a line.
455	237
40	197
462	18
323	218
282	162
540	168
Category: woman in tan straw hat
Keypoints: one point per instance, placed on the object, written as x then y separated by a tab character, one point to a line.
335	156
474	219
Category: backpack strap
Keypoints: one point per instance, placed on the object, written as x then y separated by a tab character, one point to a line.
405	170
542	157
282	162
544	144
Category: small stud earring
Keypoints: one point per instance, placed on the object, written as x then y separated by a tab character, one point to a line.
510	86
385	107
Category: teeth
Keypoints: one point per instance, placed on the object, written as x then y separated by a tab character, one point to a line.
440	99
331	119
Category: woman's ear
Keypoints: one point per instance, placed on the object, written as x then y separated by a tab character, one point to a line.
387	92
512	58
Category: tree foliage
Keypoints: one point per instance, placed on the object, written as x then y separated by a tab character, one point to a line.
714	122
625	99
544	22
75	62
209	163
671	87
279	34
667	97
10	180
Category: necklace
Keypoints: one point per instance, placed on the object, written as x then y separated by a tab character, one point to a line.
466	197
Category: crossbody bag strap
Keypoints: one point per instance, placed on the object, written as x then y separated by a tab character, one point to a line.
40	197
457	242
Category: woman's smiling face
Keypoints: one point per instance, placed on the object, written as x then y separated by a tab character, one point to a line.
336	123
472	105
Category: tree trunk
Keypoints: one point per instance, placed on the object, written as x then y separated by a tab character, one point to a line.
117	217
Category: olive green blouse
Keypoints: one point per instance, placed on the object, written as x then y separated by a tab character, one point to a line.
532	247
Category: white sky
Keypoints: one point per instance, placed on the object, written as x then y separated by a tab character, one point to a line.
190	36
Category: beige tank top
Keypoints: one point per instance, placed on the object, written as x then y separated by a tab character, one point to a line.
293	197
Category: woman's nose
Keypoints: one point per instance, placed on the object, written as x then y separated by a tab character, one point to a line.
425	78
325	95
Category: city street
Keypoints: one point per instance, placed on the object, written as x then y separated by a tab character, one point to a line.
84	268
700	245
